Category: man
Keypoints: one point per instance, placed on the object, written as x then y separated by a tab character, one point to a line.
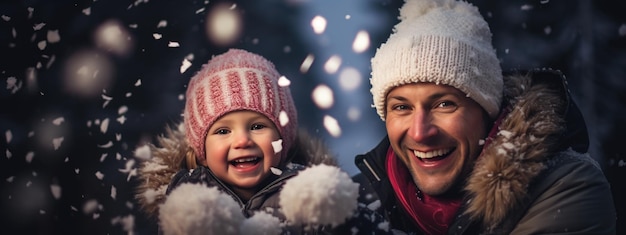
468	149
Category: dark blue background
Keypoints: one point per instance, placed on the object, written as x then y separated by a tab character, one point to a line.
580	37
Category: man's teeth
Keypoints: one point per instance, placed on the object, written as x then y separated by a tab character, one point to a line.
432	154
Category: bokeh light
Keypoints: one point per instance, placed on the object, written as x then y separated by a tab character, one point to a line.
332	126
113	36
332	64
323	96
224	24
306	64
319	24
87	73
361	42
349	79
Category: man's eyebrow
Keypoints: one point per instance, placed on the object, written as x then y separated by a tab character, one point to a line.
433	96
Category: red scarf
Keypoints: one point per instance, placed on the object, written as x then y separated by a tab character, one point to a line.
432	214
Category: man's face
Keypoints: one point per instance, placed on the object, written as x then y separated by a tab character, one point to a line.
436	130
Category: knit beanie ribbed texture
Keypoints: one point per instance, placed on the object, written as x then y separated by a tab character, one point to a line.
439	41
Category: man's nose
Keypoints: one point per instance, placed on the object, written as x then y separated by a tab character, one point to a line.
422	127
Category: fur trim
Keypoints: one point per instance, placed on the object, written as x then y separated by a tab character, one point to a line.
309	150
156	173
172	153
517	154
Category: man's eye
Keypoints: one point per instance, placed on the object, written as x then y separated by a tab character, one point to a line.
446	104
400	107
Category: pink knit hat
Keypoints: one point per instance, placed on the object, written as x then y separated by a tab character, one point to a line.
233	81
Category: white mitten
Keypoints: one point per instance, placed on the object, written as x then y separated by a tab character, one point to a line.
319	195
195	209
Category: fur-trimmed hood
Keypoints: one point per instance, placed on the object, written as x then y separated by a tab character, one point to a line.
538	120
172	153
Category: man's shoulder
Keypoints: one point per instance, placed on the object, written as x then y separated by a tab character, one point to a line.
570	162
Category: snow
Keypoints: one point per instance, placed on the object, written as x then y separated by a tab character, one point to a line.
374	205
42	45
39	26
283	81
276	171
277	145
8	135
127	223
104	126
113	192
123	109
13	84
53	36
56	142
185	65
173	44
143	153
99	175
55	189
79	67
29	156
129	169
58	121
319	195
283	118
195	209
90	206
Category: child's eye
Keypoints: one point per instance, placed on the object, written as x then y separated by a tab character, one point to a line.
222	131
257	126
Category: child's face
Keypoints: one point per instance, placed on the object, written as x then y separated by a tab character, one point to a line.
239	150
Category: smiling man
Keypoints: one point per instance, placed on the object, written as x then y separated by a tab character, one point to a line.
470	150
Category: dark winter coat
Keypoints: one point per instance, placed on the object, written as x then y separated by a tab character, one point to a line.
535	177
170	167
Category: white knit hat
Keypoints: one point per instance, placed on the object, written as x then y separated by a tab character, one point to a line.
443	42
237	80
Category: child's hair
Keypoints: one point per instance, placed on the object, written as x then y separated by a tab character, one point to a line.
233	81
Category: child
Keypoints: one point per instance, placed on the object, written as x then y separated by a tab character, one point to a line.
240	136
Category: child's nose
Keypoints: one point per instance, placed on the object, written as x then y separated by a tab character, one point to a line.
242	139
